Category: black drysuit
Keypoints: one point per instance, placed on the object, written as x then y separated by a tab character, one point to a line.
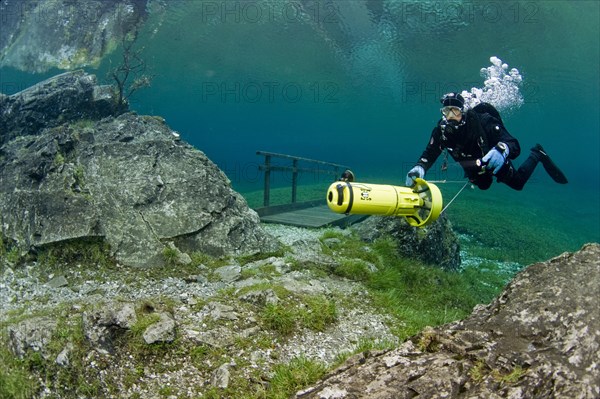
471	142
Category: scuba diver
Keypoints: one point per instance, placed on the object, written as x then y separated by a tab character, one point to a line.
477	139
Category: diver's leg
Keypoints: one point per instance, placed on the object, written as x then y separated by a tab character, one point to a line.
483	182
516	178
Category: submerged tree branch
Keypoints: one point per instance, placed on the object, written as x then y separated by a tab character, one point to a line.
130	76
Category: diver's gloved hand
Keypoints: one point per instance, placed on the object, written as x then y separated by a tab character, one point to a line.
348	175
416	172
496	157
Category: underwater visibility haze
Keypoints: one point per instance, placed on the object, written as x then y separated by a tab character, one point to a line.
358	82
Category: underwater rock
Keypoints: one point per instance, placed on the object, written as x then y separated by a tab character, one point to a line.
435	244
62	98
128	181
161	331
539	339
31	334
66	34
103	324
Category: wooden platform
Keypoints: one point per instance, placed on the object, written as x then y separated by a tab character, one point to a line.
306	214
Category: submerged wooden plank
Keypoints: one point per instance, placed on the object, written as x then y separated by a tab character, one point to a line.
308	220
318	216
275	209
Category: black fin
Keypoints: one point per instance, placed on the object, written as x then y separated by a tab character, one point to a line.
555	173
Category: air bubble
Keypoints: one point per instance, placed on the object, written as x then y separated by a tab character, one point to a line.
501	87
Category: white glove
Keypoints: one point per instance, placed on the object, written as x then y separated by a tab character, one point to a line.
416	172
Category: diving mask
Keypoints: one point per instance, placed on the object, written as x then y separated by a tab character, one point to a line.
450	111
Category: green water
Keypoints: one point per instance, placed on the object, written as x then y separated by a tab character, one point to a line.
357	82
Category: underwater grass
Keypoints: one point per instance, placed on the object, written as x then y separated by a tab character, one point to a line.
316	313
297	374
419	295
515	226
15	377
415	294
21	377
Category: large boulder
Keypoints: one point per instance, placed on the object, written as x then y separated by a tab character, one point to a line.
539	339
127	180
435	244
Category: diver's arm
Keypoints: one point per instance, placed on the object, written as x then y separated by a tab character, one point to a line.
512	143
432	151
498	134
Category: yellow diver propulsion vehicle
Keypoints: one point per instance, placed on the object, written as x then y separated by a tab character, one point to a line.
419	205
